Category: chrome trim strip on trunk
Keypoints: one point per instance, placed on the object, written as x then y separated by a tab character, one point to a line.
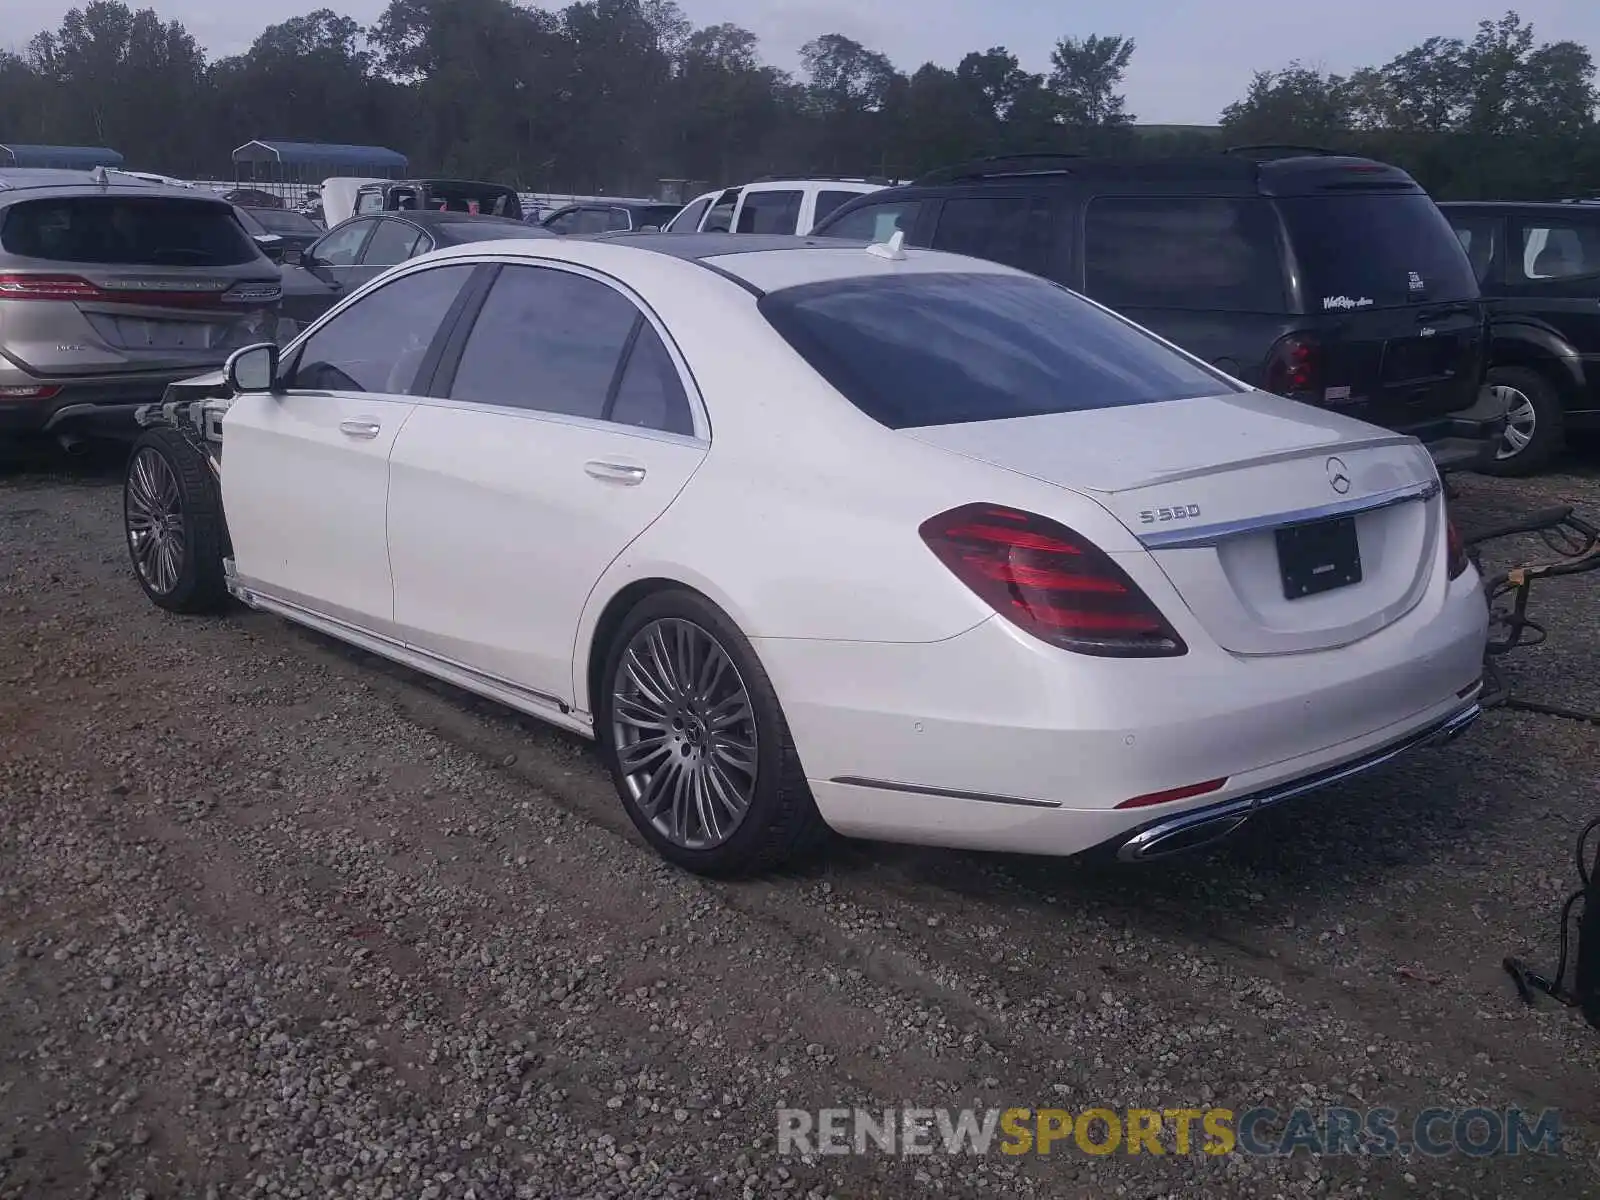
1210	535
1200	827
917	789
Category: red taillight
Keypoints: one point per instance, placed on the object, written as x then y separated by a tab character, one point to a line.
1294	367
1188	791
1455	553
1047	580
27	392
47	287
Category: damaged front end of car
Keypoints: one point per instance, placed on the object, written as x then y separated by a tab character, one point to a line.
194	408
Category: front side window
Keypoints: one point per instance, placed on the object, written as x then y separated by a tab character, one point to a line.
343	245
565	222
546	340
827	203
1477	235
770	212
876	222
720	218
1558	249
1014	230
379	342
392	242
617	219
943	349
1191	252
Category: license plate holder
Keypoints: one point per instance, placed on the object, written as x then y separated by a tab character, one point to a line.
1318	556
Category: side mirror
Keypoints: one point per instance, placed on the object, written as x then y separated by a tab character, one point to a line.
253	369
291	258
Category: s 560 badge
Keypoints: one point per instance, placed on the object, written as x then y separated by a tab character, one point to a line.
1178	512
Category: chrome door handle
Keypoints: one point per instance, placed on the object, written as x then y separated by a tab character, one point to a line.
360	427
615	471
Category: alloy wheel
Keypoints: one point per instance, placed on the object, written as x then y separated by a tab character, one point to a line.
154	514
684	731
1521	420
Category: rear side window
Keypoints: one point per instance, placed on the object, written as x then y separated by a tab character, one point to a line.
1557	249
650	395
827	202
143	231
1199	252
546	340
688	221
876	222
1375	250
1477	235
942	349
1015	230
392	242
770	212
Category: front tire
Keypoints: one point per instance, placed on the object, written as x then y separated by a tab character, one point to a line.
172	516
697	743
1535	429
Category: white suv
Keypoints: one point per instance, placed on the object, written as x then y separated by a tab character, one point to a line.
770	206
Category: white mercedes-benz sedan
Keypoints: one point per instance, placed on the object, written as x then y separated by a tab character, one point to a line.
815	535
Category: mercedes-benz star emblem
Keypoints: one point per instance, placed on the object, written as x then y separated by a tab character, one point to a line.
1338	475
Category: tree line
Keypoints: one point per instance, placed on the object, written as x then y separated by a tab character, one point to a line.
613	95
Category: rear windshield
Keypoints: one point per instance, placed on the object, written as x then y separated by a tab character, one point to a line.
1375	250
143	231
283	220
941	349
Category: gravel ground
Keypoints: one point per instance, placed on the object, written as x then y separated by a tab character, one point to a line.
277	919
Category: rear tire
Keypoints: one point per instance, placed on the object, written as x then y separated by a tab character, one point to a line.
172	517
1536	431
697	744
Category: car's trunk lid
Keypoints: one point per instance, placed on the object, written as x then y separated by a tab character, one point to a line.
1208	485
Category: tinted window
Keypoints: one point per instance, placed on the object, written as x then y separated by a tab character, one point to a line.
770	212
1375	250
377	344
876	222
392	242
132	231
688	221
941	349
453	233
720	218
566	222
339	248
657	215
283	220
591	220
827	202
1477	235
1015	230
1557	249
617	218
650	393
546	340
1192	252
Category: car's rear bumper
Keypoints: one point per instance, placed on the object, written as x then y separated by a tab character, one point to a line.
102	407
991	741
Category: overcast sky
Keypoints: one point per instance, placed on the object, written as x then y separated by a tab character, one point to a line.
1191	60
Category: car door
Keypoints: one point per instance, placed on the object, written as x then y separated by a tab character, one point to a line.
1553	274
769	210
325	271
306	489
562	430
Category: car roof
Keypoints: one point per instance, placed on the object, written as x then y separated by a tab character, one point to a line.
24	179
758	263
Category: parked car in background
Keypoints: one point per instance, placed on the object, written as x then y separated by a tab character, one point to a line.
110	289
472	197
1538	266
247	197
1326	279
362	248
901	543
282	233
781	206
618	216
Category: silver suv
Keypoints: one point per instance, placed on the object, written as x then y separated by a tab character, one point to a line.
110	289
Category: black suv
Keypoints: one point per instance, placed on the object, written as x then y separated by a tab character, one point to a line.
1327	279
1538	266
